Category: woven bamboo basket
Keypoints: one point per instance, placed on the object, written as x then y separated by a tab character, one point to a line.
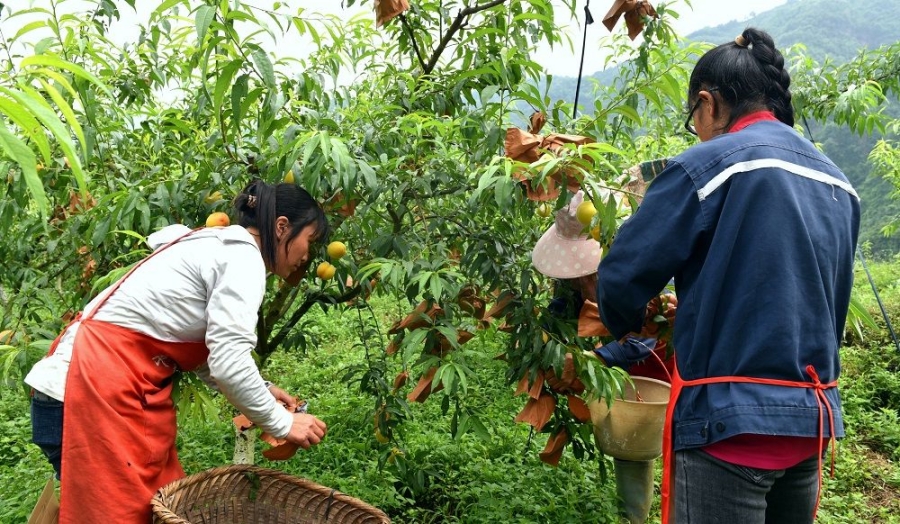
243	494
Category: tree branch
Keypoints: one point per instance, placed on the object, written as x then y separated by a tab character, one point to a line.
412	38
308	303
262	341
276	306
454	27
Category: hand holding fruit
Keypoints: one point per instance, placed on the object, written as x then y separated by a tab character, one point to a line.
660	315
669	306
306	430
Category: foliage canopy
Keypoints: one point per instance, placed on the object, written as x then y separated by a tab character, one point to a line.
103	143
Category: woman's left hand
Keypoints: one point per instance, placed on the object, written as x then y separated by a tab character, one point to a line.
291	403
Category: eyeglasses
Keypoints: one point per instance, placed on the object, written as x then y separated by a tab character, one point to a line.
689	123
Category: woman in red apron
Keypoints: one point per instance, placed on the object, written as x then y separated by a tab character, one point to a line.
102	408
759	230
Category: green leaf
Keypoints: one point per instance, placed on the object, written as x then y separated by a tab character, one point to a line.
436	285
325	144
238	92
27	28
858	317
503	191
412	345
369	176
43	44
463	380
54	61
479	428
20	153
240	15
223	82
264	65
442	376
39	108
132	234
60	79
487	93
28	124
670	87
165	6
205	15
67	112
628	112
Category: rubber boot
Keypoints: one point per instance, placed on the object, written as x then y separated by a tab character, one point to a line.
634	486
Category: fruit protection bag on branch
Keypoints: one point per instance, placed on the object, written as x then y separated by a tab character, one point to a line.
634	10
387	10
529	146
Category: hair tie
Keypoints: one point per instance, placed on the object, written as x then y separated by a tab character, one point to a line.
251	201
740	41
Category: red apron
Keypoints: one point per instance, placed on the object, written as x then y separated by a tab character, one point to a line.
668	482
119	425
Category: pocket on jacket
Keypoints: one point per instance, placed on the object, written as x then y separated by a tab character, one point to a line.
692	433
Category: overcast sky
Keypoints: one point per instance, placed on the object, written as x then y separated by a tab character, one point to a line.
559	61
702	13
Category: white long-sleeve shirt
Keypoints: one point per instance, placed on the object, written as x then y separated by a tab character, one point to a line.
207	287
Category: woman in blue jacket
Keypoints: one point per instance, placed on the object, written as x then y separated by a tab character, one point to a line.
759	230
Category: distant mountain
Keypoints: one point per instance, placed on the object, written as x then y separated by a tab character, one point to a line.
838	30
834	28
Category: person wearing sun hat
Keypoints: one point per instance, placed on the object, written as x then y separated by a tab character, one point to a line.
566	253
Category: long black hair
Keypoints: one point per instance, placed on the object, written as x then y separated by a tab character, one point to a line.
260	204
748	74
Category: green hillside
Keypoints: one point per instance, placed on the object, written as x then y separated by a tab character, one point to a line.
832	28
829	29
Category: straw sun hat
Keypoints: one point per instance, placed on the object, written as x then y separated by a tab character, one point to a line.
565	251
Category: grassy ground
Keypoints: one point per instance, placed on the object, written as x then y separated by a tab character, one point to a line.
499	479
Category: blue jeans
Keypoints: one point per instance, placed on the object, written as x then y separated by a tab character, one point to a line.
47	427
710	490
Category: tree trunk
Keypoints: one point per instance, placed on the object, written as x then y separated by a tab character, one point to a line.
244	445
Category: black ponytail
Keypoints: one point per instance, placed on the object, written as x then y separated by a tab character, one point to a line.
749	74
260	204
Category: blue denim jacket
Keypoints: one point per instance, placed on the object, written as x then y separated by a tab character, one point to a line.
759	231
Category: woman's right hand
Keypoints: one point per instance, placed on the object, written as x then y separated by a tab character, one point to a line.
306	430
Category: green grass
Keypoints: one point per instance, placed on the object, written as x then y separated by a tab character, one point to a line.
498	479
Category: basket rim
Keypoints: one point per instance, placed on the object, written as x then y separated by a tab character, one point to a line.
163	496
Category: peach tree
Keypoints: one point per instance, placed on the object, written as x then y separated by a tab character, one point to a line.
396	126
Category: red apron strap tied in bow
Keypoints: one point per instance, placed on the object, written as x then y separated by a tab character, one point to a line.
815	384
